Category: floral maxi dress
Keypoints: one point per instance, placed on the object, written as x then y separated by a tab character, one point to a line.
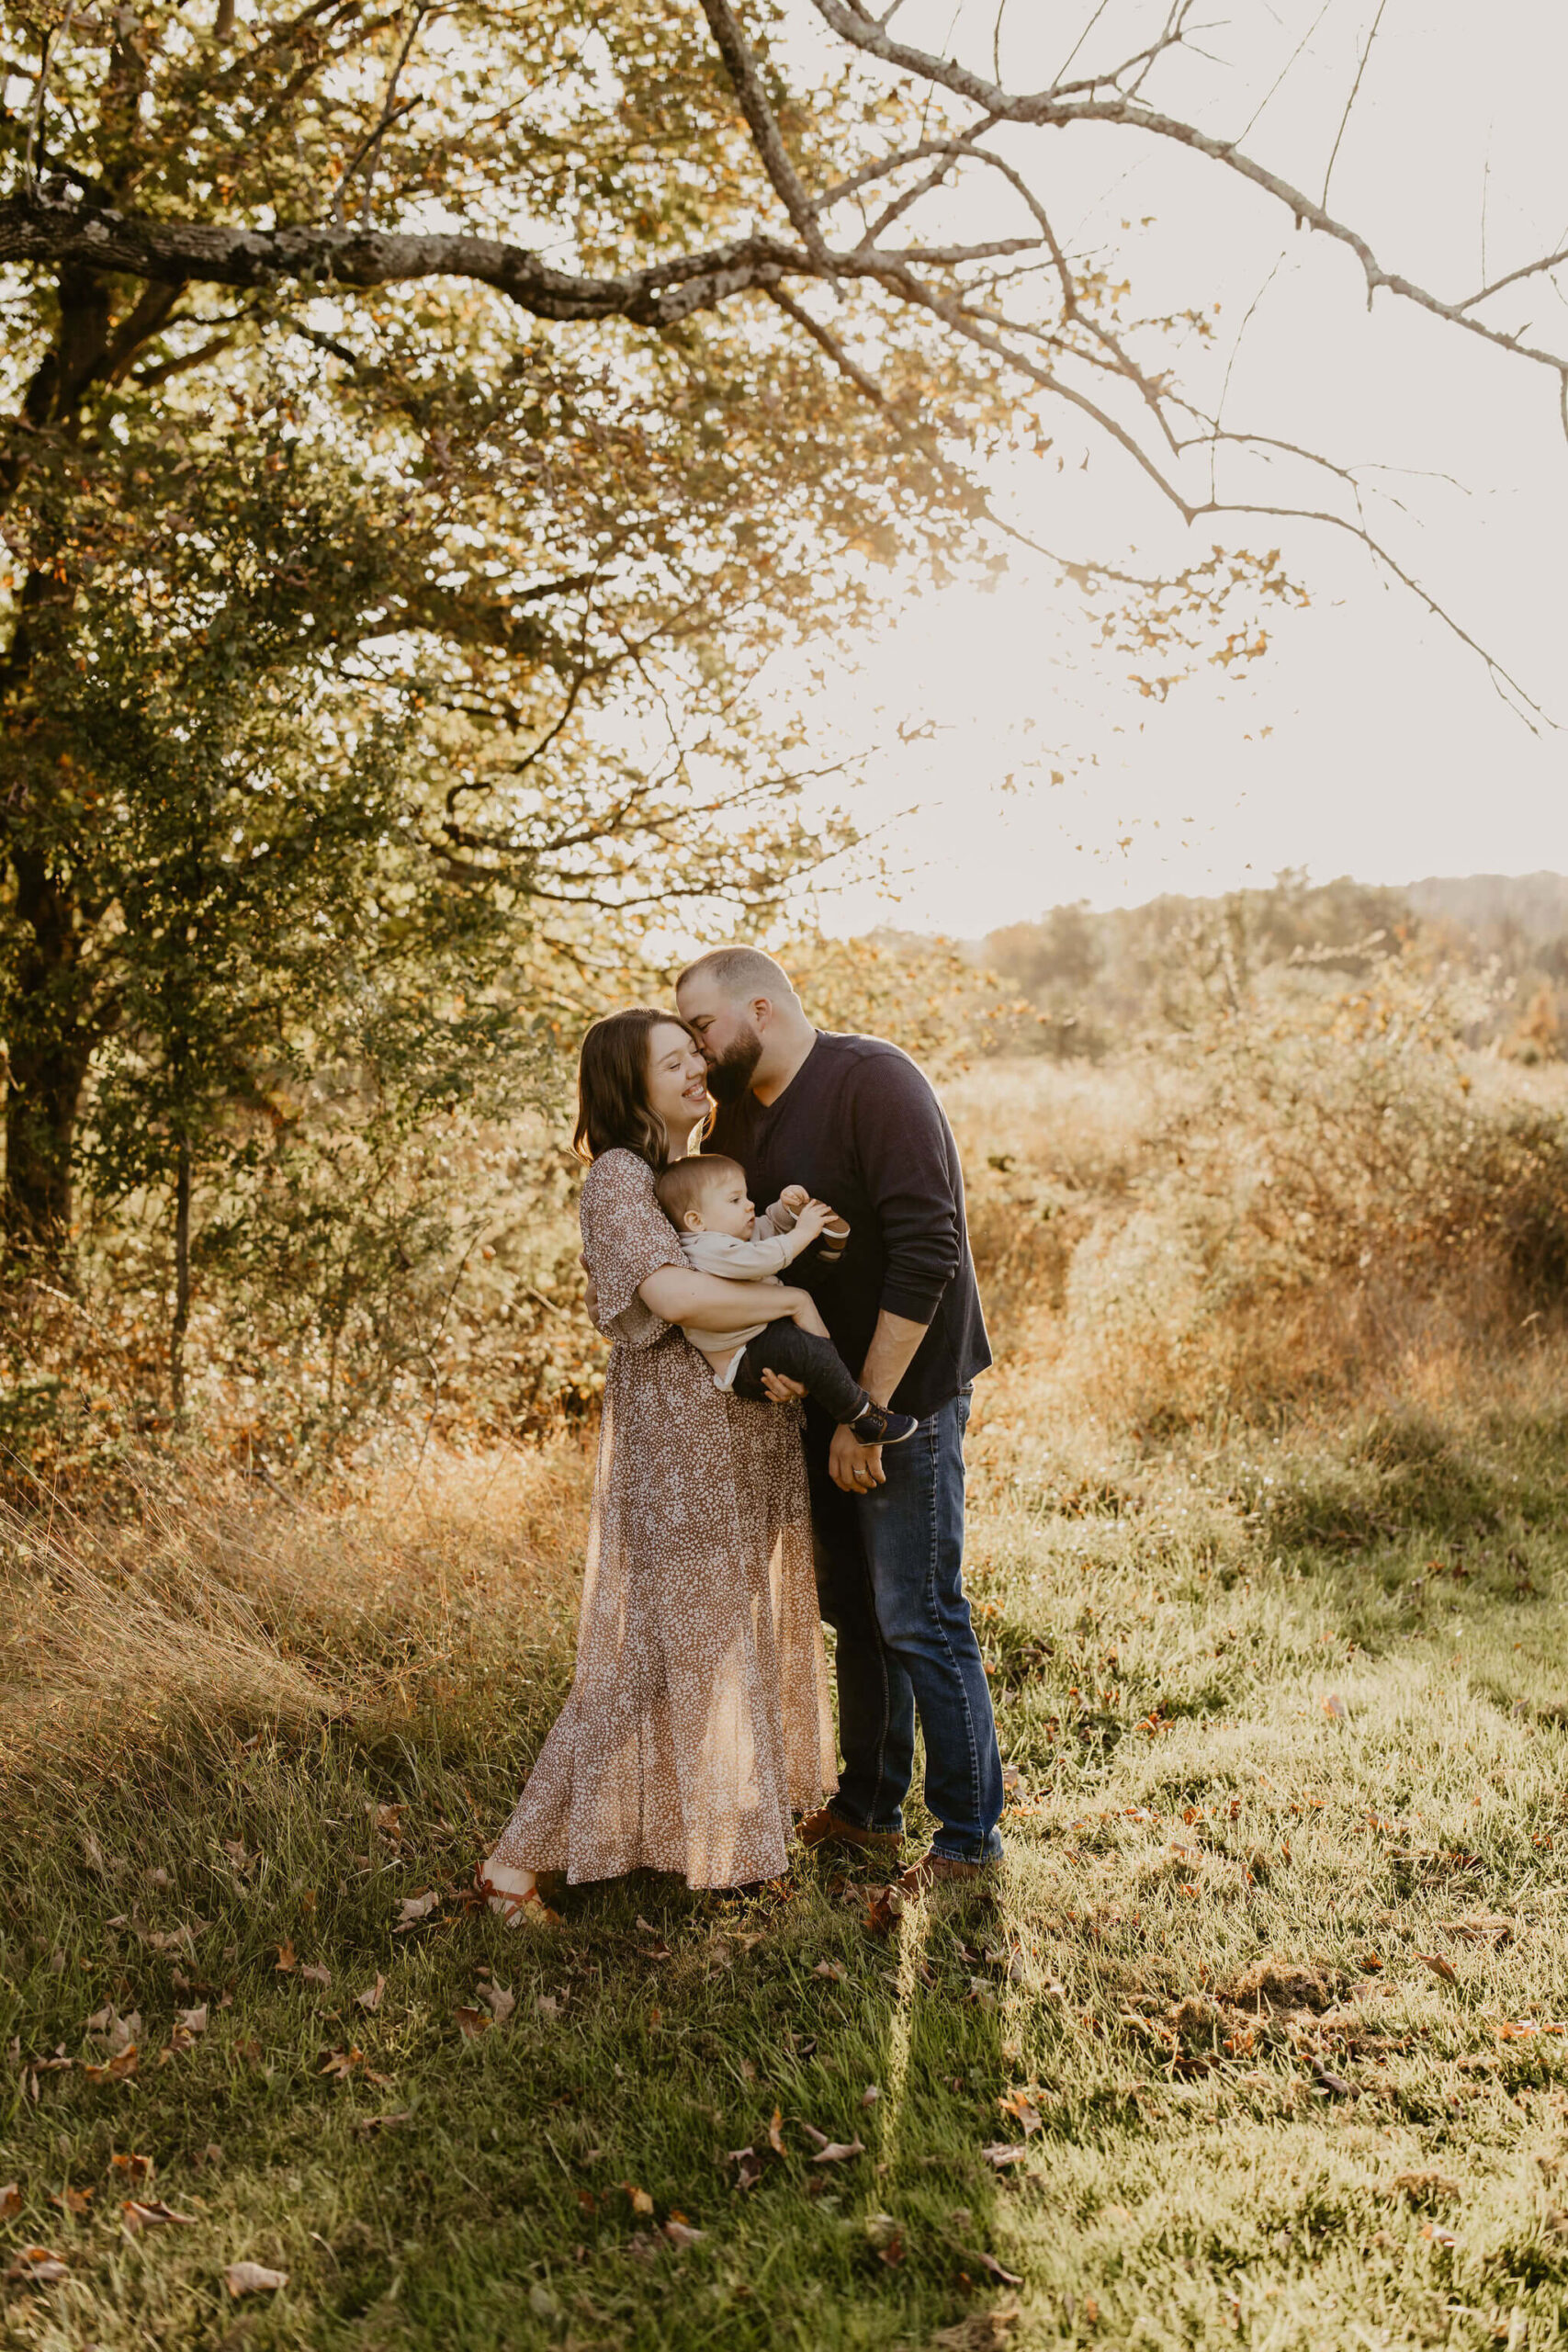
698	1718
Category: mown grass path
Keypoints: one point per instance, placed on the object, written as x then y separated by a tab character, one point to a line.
1268	2023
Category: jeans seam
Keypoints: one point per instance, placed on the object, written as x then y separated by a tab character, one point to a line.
876	1796
951	1654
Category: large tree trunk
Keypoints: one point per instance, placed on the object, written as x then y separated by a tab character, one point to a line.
48	1043
48	1052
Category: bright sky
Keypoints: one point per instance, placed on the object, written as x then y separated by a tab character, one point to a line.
1369	741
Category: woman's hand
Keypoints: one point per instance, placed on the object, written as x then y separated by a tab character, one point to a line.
781	1389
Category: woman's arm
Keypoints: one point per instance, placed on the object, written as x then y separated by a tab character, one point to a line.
677	1295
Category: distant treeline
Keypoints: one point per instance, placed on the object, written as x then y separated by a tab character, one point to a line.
1092	981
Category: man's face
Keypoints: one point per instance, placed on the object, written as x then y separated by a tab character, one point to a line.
727	1033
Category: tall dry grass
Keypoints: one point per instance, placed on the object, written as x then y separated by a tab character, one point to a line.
208	1611
1274	1219
1275	1225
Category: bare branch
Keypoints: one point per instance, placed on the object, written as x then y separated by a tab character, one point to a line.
1349	103
741	67
1527	270
50	45
829	342
389	114
1056	108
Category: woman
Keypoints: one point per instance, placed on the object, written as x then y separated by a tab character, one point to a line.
698	1717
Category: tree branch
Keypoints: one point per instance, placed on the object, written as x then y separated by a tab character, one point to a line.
1059	106
741	67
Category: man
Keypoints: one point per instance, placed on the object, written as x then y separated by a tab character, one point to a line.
858	1123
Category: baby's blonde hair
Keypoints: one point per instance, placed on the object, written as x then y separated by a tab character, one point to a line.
685	1184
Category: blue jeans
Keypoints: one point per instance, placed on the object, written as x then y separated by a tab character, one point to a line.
890	1582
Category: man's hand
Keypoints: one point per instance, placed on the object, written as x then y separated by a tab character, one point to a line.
854	1468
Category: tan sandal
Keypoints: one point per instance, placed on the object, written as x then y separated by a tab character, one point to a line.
510	1909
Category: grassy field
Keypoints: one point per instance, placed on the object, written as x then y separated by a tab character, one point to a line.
1264	2041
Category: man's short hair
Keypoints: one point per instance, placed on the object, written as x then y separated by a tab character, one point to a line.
685	1184
740	972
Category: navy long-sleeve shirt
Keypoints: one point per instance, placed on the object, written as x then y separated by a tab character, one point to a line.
858	1124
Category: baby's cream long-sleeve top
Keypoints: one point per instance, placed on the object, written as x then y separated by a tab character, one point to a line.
761	1259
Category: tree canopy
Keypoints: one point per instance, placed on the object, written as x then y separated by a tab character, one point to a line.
424	425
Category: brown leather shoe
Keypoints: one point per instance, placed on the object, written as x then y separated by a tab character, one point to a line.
824	1827
945	1870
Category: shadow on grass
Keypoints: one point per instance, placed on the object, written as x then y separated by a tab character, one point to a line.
447	2134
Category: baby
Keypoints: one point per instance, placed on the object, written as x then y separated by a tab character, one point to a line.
704	1199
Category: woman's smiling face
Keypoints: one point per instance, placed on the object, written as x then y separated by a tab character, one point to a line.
677	1081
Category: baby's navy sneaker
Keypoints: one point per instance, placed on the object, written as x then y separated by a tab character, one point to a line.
877	1426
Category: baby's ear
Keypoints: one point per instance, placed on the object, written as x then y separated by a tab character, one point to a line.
693	1221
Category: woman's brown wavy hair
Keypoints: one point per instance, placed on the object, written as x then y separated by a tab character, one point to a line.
612	1086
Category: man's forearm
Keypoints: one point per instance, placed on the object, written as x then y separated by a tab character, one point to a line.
890	1355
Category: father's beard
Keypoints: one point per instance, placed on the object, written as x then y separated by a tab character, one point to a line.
731	1077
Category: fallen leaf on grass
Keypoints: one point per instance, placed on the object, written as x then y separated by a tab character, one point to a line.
980	2332
248	2048
830	2152
1007	2278
168	1939
1327	2083
137	2168
138	2216
547	2007
286	1960
473	2022
748	2167
72	2200
342	2063
681	2232
1003	2153
10	2199
37	2266
500	2002
115	2069
1334	1707
887	1910
314	1974
252	2279
871	2094
192	2021
371	1997
1425	2184
1481	1928
118	2031
641	2202
1021	2108
1438	1966
829	1969
382	2122
415	1907
1439	2236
